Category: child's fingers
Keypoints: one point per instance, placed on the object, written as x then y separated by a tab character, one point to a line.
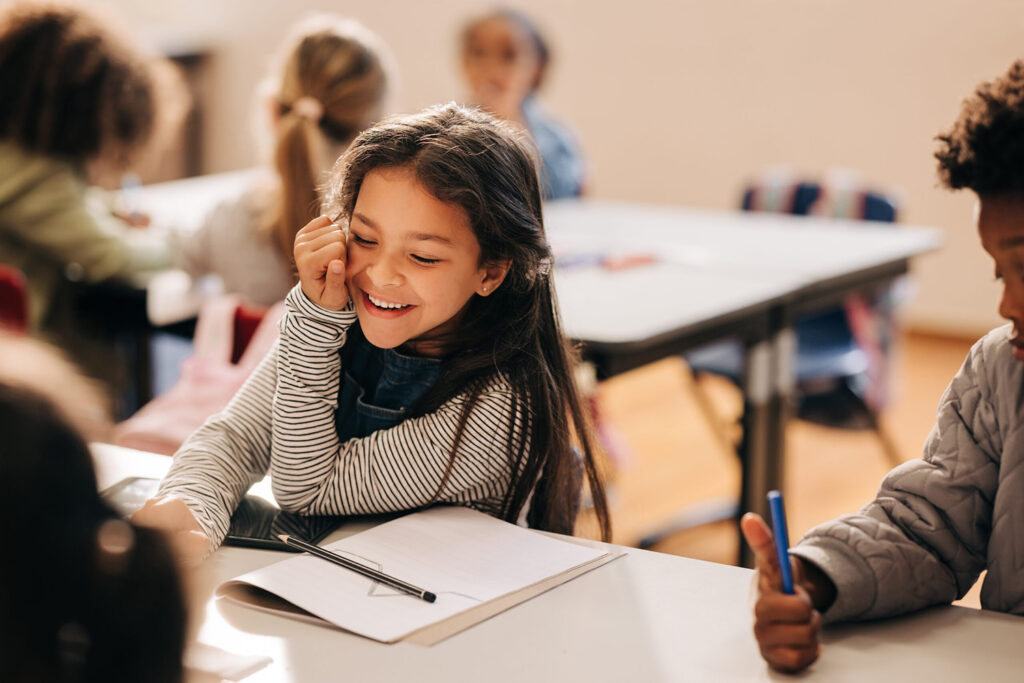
775	608
314	263
335	294
166	512
318	223
801	632
787	629
759	538
190	547
788	635
320	238
789	659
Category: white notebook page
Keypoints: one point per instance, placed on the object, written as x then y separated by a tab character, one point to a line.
463	556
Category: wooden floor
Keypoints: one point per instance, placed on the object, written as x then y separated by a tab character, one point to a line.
676	461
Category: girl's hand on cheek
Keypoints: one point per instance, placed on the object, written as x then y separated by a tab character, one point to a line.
320	259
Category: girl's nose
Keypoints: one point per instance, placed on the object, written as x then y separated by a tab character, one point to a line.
384	272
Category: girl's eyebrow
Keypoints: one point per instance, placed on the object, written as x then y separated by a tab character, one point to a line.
429	236
363	219
416	236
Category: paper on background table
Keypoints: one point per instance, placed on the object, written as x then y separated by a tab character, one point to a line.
466	557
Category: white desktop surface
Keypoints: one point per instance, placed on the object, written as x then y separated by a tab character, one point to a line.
744	244
641	303
644	617
183	204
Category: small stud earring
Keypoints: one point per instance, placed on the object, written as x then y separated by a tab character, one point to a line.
485	288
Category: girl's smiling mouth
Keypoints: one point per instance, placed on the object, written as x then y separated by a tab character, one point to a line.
381	307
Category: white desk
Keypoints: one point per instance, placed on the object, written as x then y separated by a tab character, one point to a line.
644	617
183	204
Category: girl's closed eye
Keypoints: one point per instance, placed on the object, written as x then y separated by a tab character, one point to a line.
362	241
425	260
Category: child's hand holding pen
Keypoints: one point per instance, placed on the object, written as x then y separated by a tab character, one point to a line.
320	253
787	626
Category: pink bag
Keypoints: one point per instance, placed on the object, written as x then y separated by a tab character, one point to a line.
208	378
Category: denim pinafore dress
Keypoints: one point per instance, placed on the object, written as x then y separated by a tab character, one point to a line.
379	387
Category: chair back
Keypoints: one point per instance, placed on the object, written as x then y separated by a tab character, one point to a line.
866	321
247	320
230	340
803	198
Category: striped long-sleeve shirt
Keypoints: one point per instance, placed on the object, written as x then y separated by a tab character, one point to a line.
282	421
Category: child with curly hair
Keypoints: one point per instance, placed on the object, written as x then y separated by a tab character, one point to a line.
81	103
937	522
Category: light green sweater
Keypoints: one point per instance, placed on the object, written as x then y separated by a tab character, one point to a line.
50	227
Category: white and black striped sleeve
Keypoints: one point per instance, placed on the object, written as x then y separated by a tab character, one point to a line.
393	469
231	451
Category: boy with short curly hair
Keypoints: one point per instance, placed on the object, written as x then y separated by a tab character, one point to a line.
939	521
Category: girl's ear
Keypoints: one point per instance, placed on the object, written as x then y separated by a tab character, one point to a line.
494	275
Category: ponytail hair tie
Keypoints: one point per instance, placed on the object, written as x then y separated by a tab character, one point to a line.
309	108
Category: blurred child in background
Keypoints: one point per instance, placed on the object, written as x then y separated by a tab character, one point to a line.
328	84
86	596
80	102
504	61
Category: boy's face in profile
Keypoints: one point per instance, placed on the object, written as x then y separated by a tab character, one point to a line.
1000	220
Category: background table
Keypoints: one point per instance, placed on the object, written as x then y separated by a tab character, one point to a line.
643	617
720	274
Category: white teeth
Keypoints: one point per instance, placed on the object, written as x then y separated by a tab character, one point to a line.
384	304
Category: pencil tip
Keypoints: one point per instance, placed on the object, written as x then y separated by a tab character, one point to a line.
429	597
284	537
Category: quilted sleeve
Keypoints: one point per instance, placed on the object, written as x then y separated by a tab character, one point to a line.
923	540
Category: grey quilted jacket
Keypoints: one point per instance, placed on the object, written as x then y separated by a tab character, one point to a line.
939	521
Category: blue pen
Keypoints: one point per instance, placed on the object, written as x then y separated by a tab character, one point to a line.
781	539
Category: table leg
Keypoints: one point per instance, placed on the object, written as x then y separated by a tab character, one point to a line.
768	391
757	434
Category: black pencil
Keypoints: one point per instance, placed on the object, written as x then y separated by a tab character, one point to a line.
341	561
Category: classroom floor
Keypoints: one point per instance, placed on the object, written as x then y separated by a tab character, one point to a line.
677	463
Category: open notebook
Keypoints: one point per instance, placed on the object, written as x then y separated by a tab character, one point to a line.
477	566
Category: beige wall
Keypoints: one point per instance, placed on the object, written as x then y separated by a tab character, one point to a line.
677	102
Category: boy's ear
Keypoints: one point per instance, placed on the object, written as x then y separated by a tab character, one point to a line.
494	275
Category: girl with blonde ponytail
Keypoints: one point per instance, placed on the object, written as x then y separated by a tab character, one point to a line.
328	84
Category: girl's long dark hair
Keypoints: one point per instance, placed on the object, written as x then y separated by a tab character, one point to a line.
468	158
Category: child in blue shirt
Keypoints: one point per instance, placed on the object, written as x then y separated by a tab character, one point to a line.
504	60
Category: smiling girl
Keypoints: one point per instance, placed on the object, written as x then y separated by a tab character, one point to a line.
421	358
